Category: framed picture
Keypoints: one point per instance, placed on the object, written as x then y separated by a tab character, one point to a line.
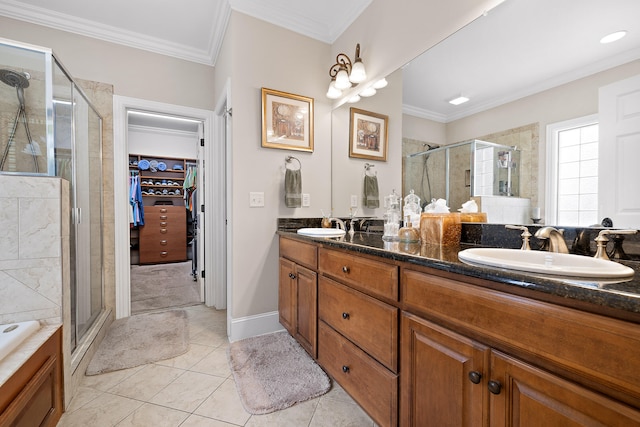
287	121
368	135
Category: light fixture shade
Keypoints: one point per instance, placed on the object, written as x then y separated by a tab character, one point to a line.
342	80
358	73
333	92
354	99
380	83
370	91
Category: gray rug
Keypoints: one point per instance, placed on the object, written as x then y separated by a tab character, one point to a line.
141	339
273	372
161	286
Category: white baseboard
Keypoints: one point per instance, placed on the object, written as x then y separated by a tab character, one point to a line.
251	326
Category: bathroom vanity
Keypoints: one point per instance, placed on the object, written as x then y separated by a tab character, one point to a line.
418	338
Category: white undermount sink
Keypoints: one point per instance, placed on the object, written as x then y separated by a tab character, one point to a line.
322	232
548	263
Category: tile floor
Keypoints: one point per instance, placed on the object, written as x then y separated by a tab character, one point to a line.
195	390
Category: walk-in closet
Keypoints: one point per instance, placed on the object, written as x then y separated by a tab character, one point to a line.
163	219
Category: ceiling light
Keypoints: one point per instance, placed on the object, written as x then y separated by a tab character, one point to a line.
609	38
370	91
354	99
345	73
380	83
459	100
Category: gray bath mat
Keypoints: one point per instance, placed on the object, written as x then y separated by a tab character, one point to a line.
140	339
273	372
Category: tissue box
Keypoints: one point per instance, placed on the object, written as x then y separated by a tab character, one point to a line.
440	228
473	217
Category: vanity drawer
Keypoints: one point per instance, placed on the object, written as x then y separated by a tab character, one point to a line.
299	252
369	383
374	277
368	322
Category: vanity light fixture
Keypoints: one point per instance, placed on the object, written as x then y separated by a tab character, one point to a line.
459	100
345	73
370	91
610	38
380	83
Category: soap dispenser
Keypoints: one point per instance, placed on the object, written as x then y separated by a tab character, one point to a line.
408	233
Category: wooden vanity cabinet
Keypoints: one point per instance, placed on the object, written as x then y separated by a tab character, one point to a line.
298	292
475	356
33	396
358	324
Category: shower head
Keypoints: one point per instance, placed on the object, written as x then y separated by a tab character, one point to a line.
14	78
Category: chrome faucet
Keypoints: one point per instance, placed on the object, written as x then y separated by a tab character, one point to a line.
554	239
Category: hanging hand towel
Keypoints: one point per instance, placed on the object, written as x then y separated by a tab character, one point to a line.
293	188
370	198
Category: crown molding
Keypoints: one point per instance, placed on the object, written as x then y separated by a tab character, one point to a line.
59	21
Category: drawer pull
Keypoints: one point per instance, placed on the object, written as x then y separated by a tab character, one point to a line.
475	377
163	210
345	315
345	269
345	369
163	217
163	230
163	253
163	224
292	276
163	242
495	387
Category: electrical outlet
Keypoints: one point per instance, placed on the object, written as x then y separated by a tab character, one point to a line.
256	199
306	200
354	201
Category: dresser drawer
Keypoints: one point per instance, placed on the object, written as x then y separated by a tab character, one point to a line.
374	277
368	322
369	383
157	256
299	252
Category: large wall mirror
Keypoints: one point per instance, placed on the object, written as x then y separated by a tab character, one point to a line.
524	66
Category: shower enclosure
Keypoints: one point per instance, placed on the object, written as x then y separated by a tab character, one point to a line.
459	171
48	127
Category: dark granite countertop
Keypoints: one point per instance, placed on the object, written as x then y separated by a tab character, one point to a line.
619	299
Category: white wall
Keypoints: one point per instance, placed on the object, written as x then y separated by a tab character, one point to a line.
162	142
255	55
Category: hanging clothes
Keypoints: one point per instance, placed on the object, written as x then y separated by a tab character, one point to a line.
189	186
135	200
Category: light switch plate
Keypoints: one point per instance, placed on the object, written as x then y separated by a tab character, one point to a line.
256	199
306	200
354	201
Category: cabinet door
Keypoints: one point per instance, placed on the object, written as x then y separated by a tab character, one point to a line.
443	376
528	396
306	308
287	296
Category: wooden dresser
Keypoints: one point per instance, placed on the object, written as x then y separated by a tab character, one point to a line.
163	238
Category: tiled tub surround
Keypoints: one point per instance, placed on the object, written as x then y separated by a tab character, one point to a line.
620	300
32	249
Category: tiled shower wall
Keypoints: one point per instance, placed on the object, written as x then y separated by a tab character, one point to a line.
34	219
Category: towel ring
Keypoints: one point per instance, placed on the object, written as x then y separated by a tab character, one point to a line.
288	159
368	171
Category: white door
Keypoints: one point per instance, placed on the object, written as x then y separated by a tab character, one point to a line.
619	151
200	224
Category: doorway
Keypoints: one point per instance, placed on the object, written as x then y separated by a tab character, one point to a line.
122	107
164	159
